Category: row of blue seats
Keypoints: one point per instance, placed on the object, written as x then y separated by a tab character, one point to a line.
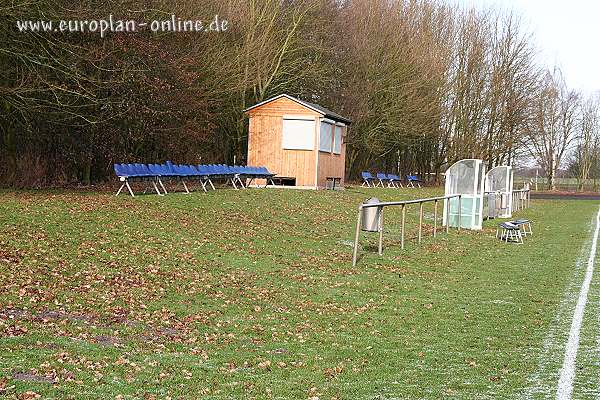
389	180
155	173
177	170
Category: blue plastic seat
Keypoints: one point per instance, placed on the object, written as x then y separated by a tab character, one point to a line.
412	179
368	179
395	180
136	172
204	170
265	172
120	171
383	180
131	170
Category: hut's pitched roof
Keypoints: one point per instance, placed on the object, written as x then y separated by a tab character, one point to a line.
315	107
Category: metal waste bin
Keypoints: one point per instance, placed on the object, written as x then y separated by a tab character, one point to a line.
504	202
370	216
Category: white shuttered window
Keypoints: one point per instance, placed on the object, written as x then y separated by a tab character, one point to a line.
337	140
298	133
326	137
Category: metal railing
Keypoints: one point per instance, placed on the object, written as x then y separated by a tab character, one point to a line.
403	205
521	199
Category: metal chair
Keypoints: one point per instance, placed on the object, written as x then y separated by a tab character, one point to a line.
509	232
524	225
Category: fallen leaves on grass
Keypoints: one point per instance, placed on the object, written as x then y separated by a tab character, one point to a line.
15	330
265	365
28	395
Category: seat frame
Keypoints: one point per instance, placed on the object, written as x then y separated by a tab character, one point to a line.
509	232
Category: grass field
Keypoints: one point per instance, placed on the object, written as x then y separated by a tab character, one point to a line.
251	294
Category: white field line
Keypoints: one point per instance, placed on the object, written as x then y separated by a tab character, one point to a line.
567	372
542	383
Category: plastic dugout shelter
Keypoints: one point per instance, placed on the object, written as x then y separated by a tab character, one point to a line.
500	180
466	177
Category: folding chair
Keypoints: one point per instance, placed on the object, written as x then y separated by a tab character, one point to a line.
267	175
229	174
146	175
509	232
368	179
169	171
135	172
124	176
239	174
185	173
395	181
160	172
252	173
412	179
383	179
211	172
204	175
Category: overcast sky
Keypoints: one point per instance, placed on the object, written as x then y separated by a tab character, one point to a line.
567	33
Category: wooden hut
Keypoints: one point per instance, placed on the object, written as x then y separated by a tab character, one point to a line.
301	142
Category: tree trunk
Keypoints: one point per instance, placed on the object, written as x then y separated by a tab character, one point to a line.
87	172
552	179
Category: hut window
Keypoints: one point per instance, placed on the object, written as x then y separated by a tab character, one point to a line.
298	133
326	136
337	140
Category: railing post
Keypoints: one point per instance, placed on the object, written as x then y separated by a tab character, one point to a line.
521	200
459	212
420	222
358	221
380	209
403	224
435	217
448	214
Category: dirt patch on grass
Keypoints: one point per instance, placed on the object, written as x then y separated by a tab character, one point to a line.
565	195
107	340
32	377
10	257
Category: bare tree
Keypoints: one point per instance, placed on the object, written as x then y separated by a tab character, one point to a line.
553	127
588	139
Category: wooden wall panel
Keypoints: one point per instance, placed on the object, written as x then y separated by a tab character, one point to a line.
332	164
